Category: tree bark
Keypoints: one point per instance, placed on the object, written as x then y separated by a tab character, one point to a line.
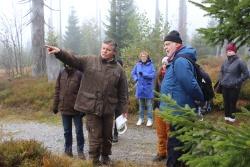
37	35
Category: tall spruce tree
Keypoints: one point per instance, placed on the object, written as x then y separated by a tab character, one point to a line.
90	43
234	21
72	37
121	12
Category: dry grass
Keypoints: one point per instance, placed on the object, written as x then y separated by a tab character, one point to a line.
30	153
27	98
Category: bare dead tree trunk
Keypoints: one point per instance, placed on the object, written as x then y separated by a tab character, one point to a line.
37	35
166	14
53	65
183	20
157	13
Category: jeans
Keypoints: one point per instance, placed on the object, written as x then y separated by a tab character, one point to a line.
67	126
145	104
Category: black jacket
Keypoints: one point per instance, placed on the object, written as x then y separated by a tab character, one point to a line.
233	73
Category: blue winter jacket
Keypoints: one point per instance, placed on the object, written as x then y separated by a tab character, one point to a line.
179	80
144	82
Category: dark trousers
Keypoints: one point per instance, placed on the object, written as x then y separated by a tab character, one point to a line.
100	134
173	154
230	97
115	128
67	126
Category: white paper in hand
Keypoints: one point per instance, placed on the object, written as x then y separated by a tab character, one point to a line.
121	124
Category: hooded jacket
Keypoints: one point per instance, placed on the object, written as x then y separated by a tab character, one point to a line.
179	81
233	72
66	89
144	74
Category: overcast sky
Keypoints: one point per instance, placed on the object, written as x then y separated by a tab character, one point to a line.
86	9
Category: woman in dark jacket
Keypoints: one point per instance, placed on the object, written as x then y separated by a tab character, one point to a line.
233	73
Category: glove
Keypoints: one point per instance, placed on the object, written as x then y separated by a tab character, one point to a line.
140	73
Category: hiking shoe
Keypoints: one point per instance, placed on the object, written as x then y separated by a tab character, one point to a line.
158	158
69	154
232	119
81	156
139	122
96	162
149	122
106	160
115	139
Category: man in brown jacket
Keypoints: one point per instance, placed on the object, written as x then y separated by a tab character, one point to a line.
67	86
103	89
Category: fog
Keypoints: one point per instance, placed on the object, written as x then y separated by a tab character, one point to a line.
96	9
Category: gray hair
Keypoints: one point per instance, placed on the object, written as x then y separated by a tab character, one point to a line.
112	43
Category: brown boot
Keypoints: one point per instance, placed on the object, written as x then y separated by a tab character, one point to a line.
158	158
95	161
106	160
68	154
81	156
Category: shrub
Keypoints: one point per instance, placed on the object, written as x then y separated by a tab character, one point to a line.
133	105
218	102
21	153
245	91
28	93
30	153
212	66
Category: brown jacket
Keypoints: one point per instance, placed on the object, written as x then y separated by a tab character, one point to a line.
104	86
67	86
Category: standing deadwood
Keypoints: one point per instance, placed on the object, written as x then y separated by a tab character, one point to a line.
166	14
53	65
37	35
182	27
157	13
11	40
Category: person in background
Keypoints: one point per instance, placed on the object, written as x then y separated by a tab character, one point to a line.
66	89
233	73
180	83
162	127
103	90
143	74
117	114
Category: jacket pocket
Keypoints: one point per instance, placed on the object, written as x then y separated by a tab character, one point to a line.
86	102
111	105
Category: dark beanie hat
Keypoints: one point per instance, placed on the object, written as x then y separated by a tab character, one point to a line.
173	36
231	47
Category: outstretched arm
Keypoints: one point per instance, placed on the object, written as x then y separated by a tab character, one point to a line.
67	58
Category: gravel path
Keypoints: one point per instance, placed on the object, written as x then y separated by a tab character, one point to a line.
137	145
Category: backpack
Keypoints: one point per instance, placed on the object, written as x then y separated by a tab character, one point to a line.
204	82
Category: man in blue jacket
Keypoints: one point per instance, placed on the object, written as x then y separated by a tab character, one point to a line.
180	83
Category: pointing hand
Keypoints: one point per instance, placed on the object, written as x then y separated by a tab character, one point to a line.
52	49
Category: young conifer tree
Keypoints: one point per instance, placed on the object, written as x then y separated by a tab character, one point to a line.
208	143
